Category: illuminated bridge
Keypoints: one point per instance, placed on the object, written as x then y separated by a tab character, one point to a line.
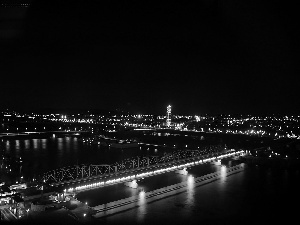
82	177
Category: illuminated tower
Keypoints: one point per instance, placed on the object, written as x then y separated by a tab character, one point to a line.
168	121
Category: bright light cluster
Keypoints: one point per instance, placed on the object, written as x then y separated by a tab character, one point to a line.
118	180
144	174
232	153
263	126
100	184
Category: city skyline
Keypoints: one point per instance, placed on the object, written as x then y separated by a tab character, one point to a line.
209	57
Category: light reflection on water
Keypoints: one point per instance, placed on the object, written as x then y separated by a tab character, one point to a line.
35	144
74	145
190	191
44	143
7	144
142	209
60	144
68	144
17	144
17	148
223	172
27	144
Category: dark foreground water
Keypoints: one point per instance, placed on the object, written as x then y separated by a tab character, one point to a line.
258	195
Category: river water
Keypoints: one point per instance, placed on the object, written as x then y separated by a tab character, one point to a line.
45	154
42	155
257	195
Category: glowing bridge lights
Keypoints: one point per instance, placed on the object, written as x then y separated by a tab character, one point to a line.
150	173
142	194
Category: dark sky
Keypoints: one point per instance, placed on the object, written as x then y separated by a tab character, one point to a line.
226	56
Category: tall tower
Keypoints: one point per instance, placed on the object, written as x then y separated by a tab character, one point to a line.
168	121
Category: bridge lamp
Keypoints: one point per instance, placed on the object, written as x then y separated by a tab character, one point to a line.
142	193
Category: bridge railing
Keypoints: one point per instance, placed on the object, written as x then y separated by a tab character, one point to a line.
150	171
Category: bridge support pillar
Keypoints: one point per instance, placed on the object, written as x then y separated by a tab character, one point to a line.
182	172
217	162
132	184
236	157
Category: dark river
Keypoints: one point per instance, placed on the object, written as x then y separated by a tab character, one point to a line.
40	155
257	195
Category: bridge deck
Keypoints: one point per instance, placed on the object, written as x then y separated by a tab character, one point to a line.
129	175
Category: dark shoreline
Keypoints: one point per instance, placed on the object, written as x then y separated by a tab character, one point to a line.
271	162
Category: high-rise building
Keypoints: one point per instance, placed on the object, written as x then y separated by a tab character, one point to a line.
168	121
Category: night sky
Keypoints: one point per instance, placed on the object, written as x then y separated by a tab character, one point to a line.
213	57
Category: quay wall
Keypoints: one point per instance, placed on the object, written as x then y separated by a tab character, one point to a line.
31	197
